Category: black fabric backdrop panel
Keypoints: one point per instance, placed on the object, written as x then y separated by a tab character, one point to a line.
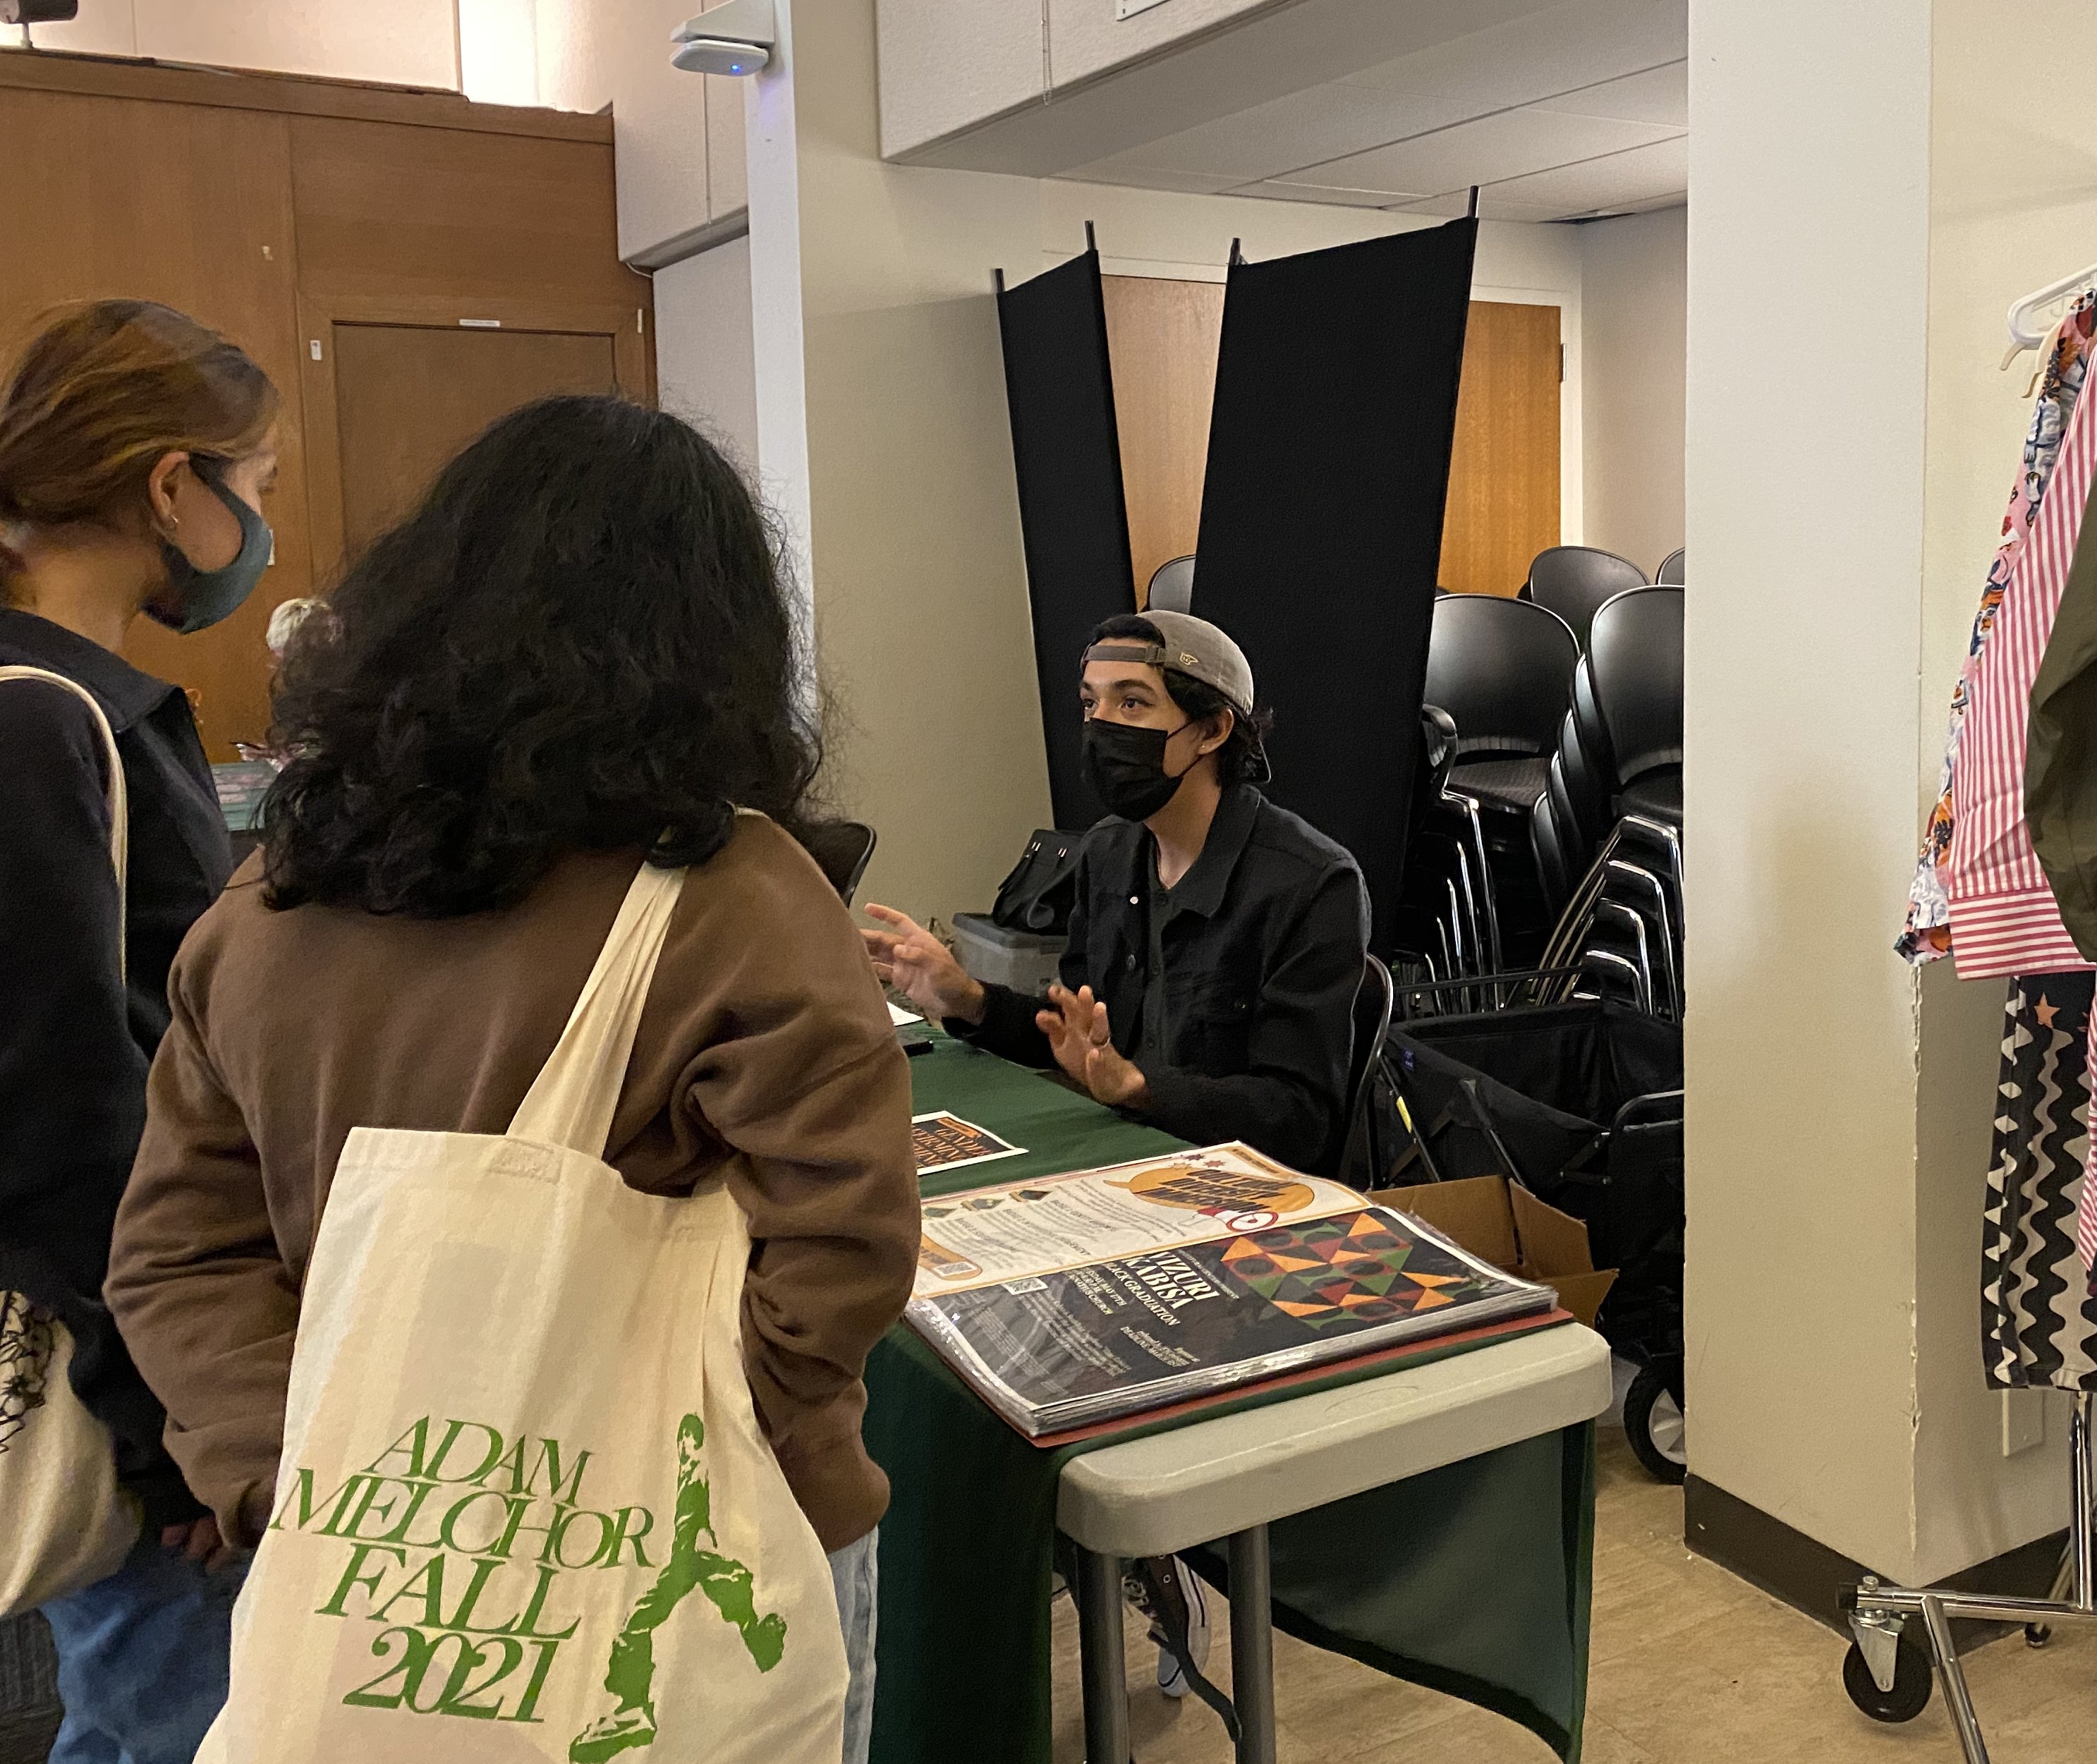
1059	390
1321	517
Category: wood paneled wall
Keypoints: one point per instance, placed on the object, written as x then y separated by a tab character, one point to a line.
1502	478
267	207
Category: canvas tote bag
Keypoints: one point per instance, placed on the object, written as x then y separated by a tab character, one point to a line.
64	1521
524	1510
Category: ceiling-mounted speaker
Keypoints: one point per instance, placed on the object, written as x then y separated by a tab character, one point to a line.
38	11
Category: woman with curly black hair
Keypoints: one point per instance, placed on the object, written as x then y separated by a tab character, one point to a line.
574	657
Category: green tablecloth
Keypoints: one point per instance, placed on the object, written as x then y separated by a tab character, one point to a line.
1472	1579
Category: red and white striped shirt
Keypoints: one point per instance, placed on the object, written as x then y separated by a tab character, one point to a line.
2004	917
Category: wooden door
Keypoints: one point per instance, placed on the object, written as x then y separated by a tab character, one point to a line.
1503	474
393	395
124	197
1162	339
407	398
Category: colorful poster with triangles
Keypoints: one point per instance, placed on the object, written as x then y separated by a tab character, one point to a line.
1350	1268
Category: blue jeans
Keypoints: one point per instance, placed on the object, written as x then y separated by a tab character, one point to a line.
143	1659
855	1571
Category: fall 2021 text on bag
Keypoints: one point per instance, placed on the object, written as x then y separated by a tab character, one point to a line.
525	1510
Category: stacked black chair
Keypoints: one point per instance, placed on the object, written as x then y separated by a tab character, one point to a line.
1634	659
1501	669
1574	581
1434	928
1364	1155
1607	830
1172	586
1670	572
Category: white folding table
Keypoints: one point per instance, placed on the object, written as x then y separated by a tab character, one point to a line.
1232	1477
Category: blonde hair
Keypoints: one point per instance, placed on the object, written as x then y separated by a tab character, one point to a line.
101	394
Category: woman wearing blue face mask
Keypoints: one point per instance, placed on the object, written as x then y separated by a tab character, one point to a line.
135	449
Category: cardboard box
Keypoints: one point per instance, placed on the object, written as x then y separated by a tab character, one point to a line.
1507	1225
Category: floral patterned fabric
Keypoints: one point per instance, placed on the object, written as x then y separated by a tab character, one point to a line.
1927	934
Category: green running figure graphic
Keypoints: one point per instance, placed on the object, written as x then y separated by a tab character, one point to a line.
631	1675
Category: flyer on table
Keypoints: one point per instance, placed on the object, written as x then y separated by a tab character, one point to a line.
1025	1229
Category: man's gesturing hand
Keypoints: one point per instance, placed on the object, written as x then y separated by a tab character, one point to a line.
1076	1026
910	958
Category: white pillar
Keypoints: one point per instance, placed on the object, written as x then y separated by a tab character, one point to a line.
1839	1111
883	442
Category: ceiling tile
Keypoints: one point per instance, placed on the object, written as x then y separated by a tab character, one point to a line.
1151	177
1456	203
1326	122
1575	43
1324	193
1658	95
1511	144
1659	169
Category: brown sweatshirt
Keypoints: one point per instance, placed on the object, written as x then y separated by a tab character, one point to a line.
764	1055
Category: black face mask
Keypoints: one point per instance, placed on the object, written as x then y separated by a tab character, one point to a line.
1126	765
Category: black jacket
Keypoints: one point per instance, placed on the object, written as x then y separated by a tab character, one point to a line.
1263	942
75	1040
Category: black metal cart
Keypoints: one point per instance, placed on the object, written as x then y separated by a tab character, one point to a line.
1580	1101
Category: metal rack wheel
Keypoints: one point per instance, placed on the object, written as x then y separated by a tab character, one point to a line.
1655	1422
1909	1695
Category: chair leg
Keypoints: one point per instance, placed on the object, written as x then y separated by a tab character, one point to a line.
1474	818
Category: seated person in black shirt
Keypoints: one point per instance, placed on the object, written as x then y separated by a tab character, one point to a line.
1217	941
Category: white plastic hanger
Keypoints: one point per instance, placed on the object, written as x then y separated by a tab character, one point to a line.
2024	334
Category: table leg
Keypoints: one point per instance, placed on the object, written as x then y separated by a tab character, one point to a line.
1252	1645
1103	1667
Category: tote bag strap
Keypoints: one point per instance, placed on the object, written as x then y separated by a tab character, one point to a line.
113	792
571	1101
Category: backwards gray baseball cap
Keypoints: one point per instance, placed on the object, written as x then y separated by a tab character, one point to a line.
1198	649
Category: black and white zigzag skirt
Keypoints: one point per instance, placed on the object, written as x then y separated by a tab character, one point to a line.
2038	1319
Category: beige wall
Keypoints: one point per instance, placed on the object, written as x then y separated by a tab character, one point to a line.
408	42
680	135
705	363
1634	285
404	42
499	51
882	438
1848	450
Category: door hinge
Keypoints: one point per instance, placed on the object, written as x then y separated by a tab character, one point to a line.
1562	364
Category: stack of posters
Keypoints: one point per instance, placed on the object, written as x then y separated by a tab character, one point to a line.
1067	1300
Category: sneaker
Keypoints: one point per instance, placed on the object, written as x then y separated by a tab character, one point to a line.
609	1736
1177	1576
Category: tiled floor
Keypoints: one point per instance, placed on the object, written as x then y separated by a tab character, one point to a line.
1690	1666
